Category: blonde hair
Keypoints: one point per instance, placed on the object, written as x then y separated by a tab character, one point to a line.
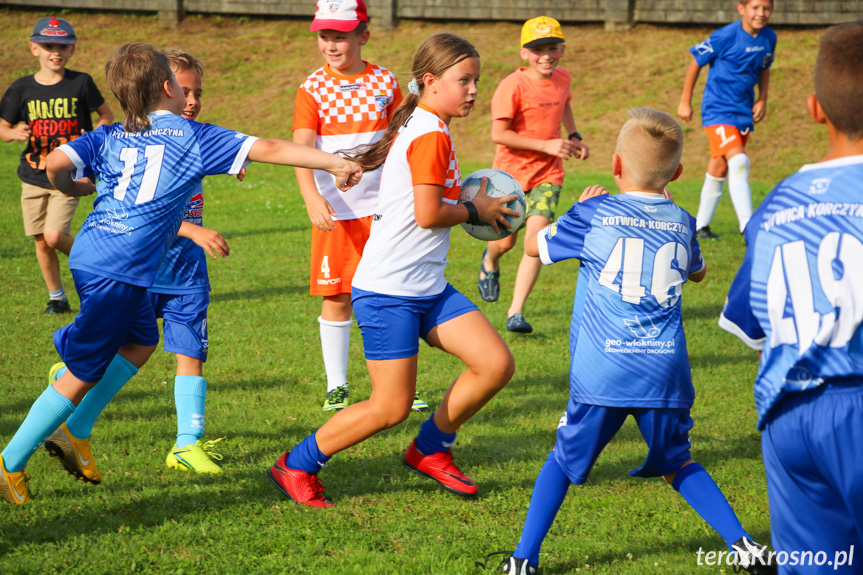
182	61
838	80
136	74
437	54
650	144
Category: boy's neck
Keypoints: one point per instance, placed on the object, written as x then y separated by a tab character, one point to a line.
630	189
352	70
534	75
840	146
49	77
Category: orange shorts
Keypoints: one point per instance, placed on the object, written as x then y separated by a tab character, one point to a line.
724	138
335	256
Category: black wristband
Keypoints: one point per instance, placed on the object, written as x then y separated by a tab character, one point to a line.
575	135
472	214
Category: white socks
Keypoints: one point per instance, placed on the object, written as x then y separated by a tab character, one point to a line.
738	188
711	192
335	343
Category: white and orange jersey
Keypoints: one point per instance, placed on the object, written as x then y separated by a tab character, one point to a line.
346	112
401	258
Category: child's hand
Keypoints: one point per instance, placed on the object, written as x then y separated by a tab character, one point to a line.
580	150
320	212
84	187
493	210
592	192
758	111
558	147
211	240
666	193
241	174
21	132
684	110
347	175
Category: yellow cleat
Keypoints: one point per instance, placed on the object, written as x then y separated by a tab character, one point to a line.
74	454
53	372
14	485
197	457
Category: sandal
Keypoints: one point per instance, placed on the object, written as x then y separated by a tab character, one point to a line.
489	286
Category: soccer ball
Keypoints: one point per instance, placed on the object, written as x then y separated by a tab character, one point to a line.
500	184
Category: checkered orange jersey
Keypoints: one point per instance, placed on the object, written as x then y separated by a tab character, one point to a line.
401	258
346	112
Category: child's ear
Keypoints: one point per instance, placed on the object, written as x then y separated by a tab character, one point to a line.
677	172
167	91
740	9
34	49
616	164
364	37
815	109
524	53
428	81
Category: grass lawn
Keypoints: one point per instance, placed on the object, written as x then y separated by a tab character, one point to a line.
266	381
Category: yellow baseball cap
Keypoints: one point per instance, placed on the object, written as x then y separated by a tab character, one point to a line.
541	30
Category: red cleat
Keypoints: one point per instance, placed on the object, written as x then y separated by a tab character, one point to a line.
439	466
304	488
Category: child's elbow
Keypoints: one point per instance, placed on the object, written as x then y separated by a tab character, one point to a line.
699	275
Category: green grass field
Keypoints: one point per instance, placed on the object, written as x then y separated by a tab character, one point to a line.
266	384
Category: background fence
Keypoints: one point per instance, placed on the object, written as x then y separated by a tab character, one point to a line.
616	14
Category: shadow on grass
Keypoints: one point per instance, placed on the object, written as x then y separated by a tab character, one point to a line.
268	292
246	233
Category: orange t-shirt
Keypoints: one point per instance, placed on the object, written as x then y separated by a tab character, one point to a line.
535	110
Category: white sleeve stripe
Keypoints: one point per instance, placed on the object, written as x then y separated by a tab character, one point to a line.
734	329
76	159
542	244
240	159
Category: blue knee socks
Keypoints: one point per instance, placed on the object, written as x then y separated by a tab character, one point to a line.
306	456
431	440
703	495
549	492
119	372
47	413
190	395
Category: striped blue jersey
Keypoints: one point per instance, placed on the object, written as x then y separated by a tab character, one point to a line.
626	338
798	296
145	179
736	60
184	268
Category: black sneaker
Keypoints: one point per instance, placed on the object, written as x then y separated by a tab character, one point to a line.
752	558
57	306
705	234
511	565
517	324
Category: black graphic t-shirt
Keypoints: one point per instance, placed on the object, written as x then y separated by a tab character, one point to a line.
56	114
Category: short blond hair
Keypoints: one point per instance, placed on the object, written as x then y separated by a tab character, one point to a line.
650	144
182	61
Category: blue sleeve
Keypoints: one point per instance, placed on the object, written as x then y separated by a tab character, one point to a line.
84	151
564	239
223	151
737	317
696	260
706	52
768	61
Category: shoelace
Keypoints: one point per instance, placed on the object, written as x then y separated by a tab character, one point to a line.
484	564
316	486
338	394
207	446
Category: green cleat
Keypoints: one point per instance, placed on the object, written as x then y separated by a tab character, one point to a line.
197	457
337	398
56	371
419	404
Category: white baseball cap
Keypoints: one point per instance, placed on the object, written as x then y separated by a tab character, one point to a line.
341	15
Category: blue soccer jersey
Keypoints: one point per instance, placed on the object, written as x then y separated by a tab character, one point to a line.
145	179
736	60
184	268
798	296
626	339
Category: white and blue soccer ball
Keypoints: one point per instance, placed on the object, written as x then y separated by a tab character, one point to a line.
500	184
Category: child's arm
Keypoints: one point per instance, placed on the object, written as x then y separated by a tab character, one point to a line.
430	211
320	211
284	153
211	240
501	133
699	275
579	149
59	168
684	109
760	107
106	116
10	133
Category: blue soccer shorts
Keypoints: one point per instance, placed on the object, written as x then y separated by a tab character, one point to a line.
811	446
585	430
185	322
113	314
392	325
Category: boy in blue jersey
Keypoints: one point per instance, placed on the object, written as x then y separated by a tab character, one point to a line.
148	168
629	356
739	55
798	300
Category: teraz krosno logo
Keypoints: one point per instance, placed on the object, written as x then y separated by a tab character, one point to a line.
808	558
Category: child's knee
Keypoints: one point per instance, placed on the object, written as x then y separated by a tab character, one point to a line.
52	237
390	414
